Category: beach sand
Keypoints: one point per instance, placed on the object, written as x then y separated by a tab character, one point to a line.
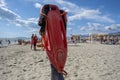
85	61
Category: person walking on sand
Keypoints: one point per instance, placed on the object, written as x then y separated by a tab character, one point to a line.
9	42
1	43
32	41
35	41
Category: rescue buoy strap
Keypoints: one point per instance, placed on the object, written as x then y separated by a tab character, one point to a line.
63	13
64	72
44	14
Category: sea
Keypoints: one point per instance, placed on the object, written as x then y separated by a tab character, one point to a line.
13	41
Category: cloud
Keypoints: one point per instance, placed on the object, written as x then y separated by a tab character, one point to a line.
83	14
32	30
93	28
76	12
69	28
66	9
12	17
100	28
68	6
8	14
82	28
2	3
113	27
30	22
90	14
38	5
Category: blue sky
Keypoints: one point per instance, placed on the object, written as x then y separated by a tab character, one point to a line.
19	18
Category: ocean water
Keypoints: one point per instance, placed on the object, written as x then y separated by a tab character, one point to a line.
12	41
6	43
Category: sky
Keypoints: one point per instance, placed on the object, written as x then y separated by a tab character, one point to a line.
19	18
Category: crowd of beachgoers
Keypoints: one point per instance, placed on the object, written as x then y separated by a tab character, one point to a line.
38	41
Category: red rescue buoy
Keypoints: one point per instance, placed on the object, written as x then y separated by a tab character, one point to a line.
55	38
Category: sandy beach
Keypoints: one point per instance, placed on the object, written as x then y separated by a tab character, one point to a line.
85	61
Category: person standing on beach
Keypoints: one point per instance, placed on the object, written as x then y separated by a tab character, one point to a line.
32	40
9	42
1	42
42	24
35	41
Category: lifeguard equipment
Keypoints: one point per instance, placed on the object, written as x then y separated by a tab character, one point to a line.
55	37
